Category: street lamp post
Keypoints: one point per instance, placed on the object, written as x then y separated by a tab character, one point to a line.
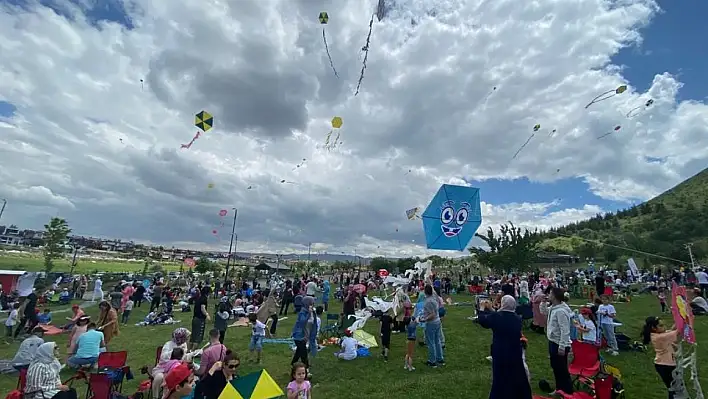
231	245
4	202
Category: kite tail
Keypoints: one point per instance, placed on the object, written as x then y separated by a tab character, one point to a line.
489	95
632	114
522	147
604	135
600	98
366	54
331	63
336	140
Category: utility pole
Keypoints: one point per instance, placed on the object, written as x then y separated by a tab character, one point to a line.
231	245
4	202
309	264
73	260
689	246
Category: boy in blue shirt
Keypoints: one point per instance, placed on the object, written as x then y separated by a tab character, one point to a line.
45	317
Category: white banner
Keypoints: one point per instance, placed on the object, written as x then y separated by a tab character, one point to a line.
633	267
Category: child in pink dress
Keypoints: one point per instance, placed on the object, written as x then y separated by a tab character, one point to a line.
299	388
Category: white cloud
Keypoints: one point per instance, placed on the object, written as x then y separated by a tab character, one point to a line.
89	143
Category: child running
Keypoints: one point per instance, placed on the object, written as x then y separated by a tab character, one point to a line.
411	328
257	336
299	388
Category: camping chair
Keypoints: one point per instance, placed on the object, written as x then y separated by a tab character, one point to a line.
22	380
100	386
331	327
113	365
54	299
586	362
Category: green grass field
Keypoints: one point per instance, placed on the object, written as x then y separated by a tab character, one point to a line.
34	262
467	373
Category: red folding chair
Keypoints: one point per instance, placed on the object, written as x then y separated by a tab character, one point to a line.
586	362
22	380
603	387
99	387
115	360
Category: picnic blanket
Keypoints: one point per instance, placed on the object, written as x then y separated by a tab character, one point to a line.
51	330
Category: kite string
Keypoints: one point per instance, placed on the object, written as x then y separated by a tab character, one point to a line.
366	54
618	247
331	63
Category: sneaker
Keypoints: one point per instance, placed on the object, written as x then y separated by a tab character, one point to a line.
432	365
614	353
411	368
441	363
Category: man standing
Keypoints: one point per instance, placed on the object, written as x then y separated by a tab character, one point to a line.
156	297
702	277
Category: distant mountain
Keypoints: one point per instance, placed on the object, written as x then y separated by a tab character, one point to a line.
661	226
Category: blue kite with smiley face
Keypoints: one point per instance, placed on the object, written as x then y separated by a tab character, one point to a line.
452	218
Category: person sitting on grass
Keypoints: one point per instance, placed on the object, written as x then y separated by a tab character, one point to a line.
28	348
349	346
89	345
76	313
45	317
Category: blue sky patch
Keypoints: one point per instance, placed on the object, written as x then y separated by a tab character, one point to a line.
674	42
7	110
101	11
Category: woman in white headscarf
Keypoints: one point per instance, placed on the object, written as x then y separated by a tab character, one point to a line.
509	378
43	375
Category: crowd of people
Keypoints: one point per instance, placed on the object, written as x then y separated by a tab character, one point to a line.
501	311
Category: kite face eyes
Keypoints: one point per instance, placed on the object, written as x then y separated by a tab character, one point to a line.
461	217
447	215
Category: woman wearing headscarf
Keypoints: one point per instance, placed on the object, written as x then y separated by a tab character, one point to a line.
108	321
509	378
304	332
43	375
180	336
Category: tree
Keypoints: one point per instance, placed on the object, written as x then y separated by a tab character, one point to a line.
510	250
204	265
55	234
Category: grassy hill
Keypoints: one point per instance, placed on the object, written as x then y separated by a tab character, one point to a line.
660	226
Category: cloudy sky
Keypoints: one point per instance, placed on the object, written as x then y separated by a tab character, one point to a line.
96	98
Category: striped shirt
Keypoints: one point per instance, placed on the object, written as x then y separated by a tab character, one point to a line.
42	381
